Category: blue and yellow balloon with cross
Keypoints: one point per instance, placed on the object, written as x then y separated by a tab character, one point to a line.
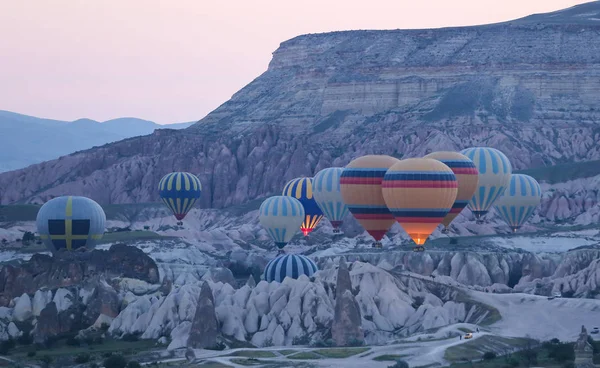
302	190
70	223
180	191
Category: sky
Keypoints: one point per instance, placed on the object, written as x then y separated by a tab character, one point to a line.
172	61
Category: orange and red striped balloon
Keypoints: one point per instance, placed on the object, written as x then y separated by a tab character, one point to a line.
419	192
467	177
360	185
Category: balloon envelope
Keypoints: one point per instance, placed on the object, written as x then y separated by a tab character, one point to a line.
289	265
467	177
70	223
494	175
180	191
420	193
281	216
327	192
519	200
360	185
302	190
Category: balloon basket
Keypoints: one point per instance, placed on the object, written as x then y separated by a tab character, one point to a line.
377	245
336	231
419	249
445	230
479	222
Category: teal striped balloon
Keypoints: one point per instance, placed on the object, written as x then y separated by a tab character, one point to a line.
179	191
494	175
519	200
281	216
327	193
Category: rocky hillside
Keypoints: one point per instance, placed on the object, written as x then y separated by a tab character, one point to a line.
528	88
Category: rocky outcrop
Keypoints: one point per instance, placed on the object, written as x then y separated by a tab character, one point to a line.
346	327
205	328
584	353
528	89
47	325
103	303
72	268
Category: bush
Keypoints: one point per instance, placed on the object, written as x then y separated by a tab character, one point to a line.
322	343
355	342
130	337
46	360
489	355
399	364
31	354
569	365
6	346
82	358
562	353
72	341
25	339
512	362
301	340
218	346
134	364
115	361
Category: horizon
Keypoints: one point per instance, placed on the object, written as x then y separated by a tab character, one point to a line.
191	52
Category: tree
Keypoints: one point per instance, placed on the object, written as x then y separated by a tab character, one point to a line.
115	361
28	237
46	360
489	355
399	364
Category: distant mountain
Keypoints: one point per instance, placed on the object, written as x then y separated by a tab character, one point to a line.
27	140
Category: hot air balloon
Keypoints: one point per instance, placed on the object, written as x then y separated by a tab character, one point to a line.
302	190
467	177
180	191
281	216
494	176
519	200
360	185
70	223
289	265
326	189
419	192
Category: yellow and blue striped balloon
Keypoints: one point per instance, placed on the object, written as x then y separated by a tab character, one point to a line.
519	200
281	216
180	191
327	192
494	175
302	190
70	223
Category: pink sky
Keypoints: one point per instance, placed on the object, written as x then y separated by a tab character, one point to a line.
175	61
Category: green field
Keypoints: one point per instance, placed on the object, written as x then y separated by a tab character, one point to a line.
474	349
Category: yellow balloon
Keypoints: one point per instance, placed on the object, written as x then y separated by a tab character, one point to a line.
467	176
419	192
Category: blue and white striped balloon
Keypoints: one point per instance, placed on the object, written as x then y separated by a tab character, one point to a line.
327	193
494	175
281	216
289	265
519	200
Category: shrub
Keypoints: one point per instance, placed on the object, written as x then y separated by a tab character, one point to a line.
569	365
512	362
6	346
134	364
115	361
218	346
355	342
562	353
130	337
72	341
82	358
489	355
399	364
301	340
46	360
31	353
25	339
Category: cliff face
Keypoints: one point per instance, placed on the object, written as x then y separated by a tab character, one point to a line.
528	88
